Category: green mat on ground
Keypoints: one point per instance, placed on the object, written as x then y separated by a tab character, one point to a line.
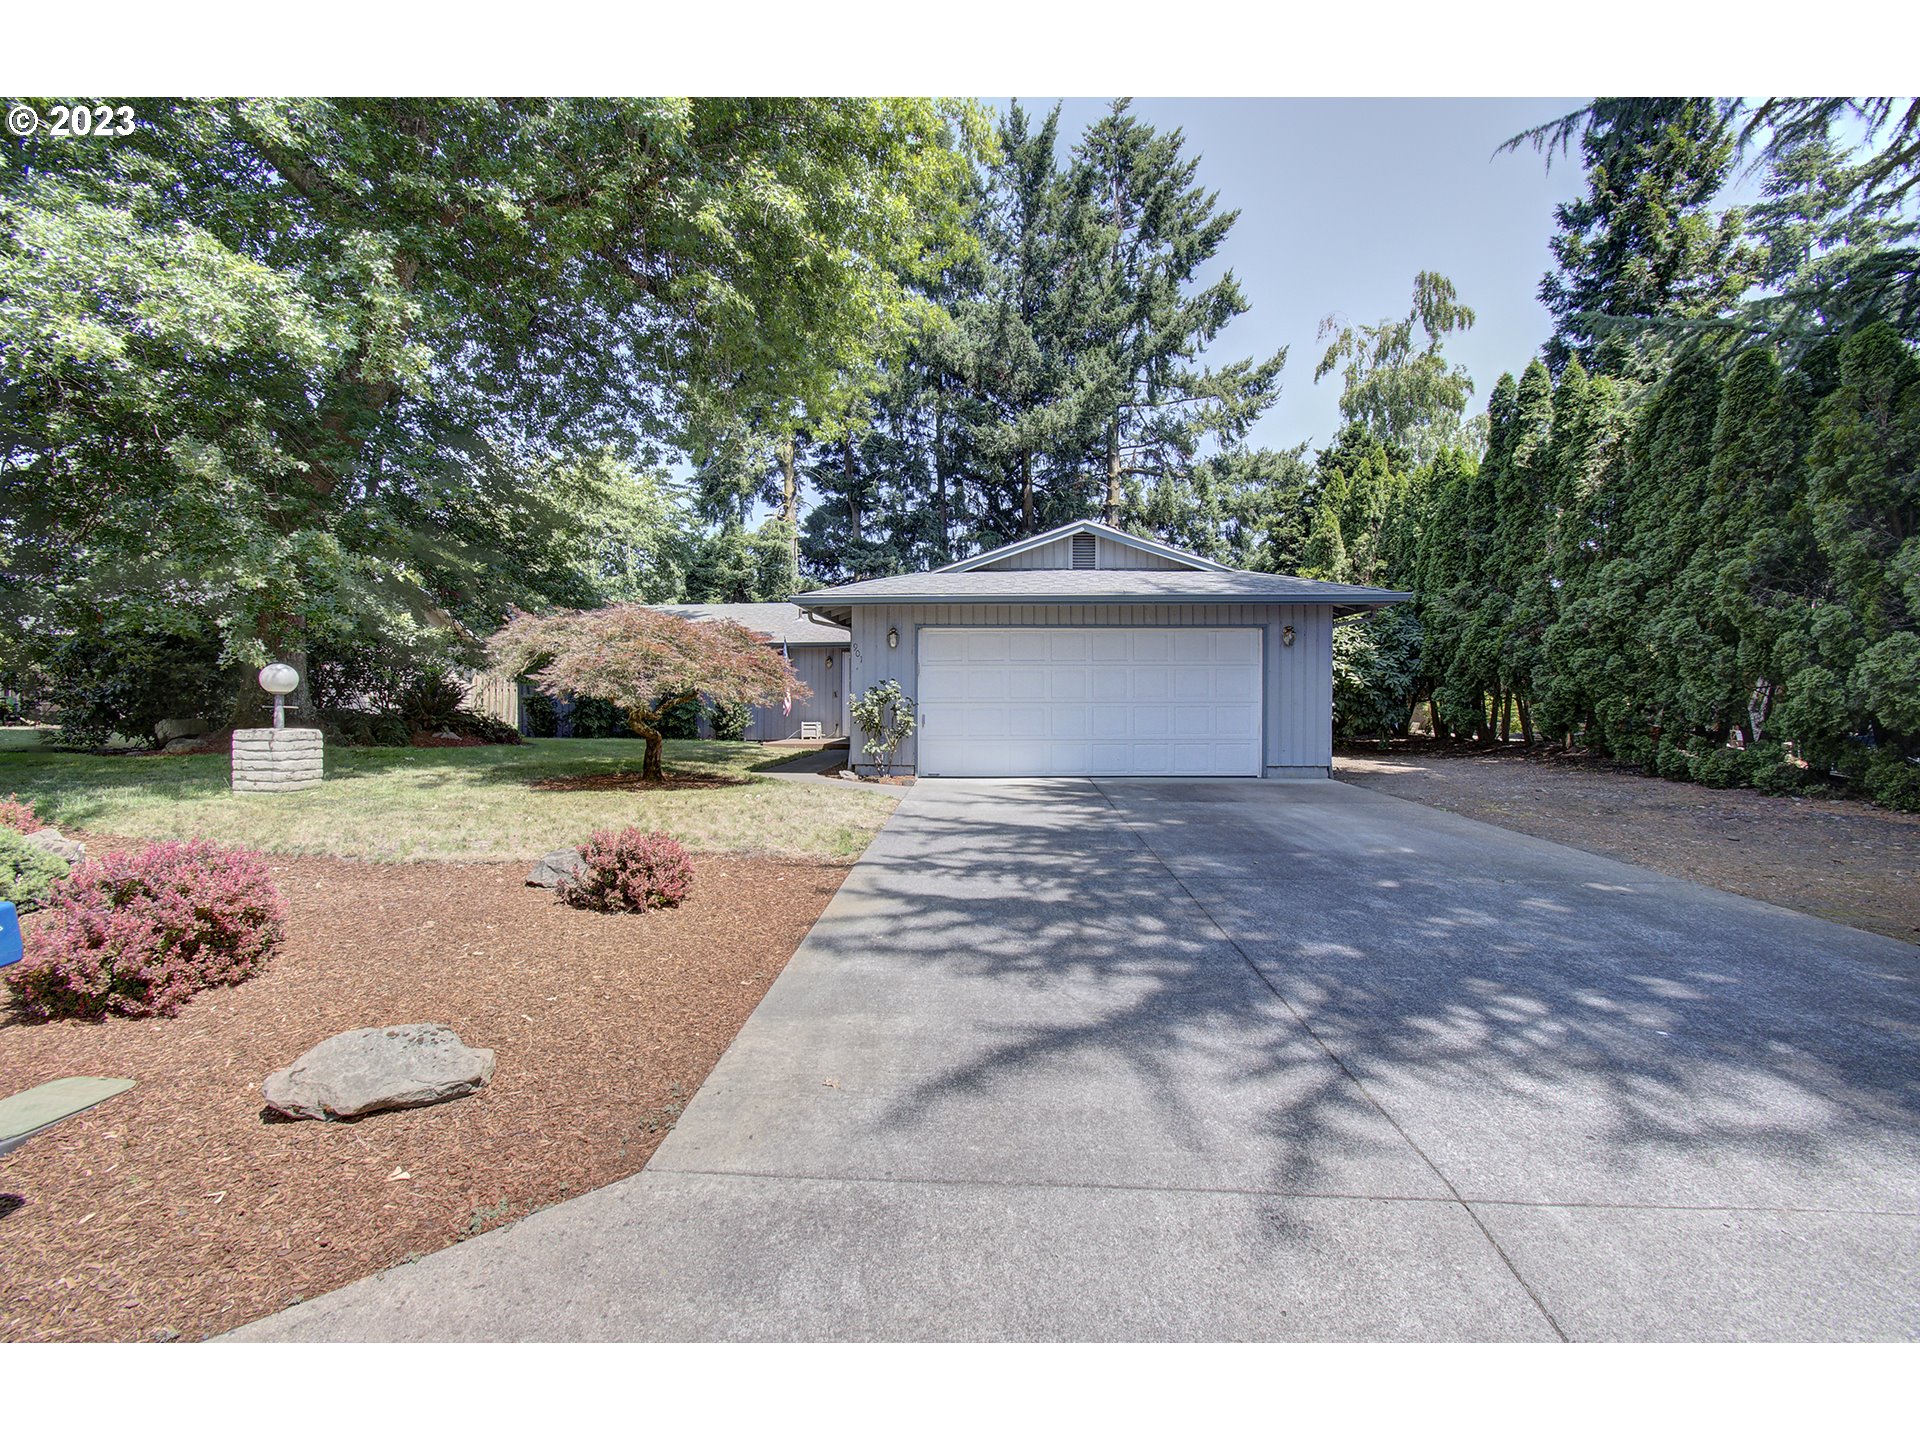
21	1115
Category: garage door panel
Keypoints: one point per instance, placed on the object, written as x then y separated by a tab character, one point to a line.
1193	722
1031	645
1027	720
1067	722
1147	758
1027	682
1066	758
1192	682
1068	684
940	647
1236	683
1236	647
986	682
983	722
988	646
1151	684
1236	719
1151	647
1118	700
943	683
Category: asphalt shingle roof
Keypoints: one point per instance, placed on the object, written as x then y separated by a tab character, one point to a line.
1029	586
778	622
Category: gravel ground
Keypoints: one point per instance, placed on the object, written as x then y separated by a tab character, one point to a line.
178	1210
1838	859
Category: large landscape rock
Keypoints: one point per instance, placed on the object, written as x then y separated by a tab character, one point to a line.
54	843
396	1067
554	867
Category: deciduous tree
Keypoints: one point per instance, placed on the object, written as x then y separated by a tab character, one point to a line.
645	661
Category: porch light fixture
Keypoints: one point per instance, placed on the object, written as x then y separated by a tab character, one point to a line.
829	662
1286	635
893	639
279	681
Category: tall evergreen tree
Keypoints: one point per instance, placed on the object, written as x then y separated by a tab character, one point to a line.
1022	418
1519	606
1156	407
1835	251
1856	661
1643	244
1584	452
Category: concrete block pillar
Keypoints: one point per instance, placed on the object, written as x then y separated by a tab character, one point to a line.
273	760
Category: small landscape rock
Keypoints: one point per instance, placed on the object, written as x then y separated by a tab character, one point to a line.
183	745
555	867
397	1067
849	775
54	843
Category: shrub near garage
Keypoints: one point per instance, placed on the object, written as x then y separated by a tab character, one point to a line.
629	869
141	933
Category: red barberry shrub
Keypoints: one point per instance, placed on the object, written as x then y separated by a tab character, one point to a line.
17	814
629	869
141	932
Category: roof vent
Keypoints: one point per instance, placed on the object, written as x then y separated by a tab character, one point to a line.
1082	552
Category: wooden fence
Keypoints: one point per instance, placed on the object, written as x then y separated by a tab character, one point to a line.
502	699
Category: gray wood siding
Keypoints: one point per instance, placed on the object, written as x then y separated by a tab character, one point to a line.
1107	555
1298	682
810	664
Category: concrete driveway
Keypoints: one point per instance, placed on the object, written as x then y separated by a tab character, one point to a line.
1227	1060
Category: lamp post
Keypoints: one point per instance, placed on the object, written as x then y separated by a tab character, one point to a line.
278	758
279	681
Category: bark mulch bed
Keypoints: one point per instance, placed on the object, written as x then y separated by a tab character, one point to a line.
178	1211
1839	859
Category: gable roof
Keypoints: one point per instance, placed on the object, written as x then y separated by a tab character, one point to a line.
782	623
1076	587
1080	527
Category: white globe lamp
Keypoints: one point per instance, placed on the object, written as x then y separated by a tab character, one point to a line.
279	681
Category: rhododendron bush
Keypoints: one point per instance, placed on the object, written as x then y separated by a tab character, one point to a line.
629	869
645	661
140	933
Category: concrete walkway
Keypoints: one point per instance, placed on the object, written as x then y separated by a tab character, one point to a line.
1243	1060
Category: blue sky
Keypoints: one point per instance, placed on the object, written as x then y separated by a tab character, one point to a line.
1342	201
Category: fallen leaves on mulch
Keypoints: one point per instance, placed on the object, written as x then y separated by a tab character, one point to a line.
178	1209
634	780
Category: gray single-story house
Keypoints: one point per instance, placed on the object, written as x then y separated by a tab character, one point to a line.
1088	651
816	649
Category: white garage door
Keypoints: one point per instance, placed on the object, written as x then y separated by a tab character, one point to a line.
1105	701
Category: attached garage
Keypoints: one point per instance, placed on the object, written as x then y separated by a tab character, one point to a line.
1088	651
1072	700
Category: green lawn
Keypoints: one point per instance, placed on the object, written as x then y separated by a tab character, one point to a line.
453	804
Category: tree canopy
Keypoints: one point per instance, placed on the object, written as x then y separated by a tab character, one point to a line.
327	347
644	661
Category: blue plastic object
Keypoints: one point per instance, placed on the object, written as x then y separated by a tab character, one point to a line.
10	946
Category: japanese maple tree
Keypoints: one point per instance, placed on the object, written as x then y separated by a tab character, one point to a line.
645	661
